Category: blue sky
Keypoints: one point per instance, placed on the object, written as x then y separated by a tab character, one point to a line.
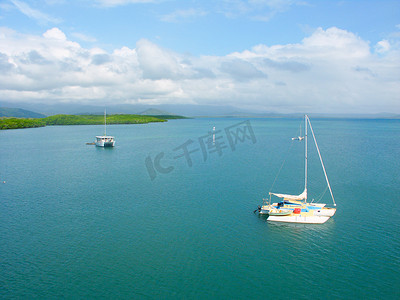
255	55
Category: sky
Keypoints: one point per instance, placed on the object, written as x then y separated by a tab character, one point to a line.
283	56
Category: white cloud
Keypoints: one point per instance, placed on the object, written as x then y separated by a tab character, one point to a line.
335	41
331	70
382	46
241	70
55	33
157	63
34	13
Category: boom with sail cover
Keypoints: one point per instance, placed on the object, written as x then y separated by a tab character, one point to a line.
302	196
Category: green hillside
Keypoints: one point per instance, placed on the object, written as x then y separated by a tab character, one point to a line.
99	119
19	113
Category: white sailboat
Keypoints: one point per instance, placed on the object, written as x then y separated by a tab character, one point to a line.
105	140
295	208
299	138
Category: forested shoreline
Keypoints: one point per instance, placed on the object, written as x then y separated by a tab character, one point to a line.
16	123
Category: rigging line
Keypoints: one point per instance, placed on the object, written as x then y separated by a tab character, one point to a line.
320	196
276	177
322	163
287	153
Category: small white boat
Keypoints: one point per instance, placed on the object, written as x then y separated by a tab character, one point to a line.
105	140
298	138
300	210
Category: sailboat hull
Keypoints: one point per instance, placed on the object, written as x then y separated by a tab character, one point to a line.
299	219
327	212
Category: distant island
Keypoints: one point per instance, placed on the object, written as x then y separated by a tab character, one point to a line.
15	123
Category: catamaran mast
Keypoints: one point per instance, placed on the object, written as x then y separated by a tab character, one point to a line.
105	122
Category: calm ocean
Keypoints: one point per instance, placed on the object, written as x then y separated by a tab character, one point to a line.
164	216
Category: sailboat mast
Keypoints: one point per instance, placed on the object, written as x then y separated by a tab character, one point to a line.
306	155
105	122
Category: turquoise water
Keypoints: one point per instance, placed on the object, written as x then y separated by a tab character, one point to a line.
78	221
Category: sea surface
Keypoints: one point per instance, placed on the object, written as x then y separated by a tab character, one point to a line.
168	212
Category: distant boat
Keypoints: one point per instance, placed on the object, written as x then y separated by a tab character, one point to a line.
105	140
299	138
295	208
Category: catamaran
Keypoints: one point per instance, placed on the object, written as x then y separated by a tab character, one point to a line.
105	140
295	208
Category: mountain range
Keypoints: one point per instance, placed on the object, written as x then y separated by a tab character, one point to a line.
19	113
27	110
